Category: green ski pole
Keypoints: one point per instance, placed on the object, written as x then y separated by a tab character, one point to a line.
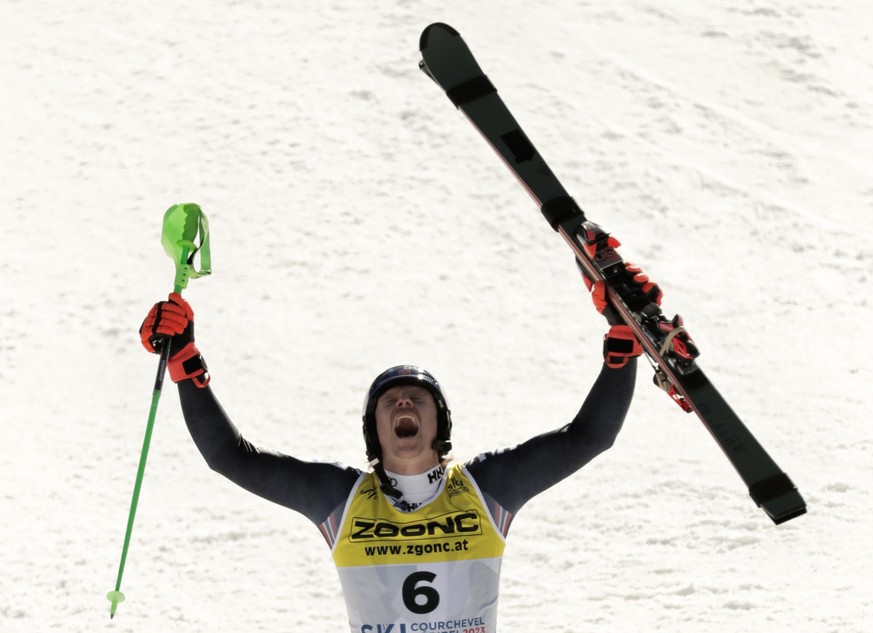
183	224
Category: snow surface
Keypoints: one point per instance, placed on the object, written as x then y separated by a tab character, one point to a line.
359	222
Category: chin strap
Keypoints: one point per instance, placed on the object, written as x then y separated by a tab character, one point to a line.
384	480
442	447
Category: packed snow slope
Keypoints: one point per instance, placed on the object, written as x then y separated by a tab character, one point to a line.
359	222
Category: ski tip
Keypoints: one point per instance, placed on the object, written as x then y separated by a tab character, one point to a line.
439	26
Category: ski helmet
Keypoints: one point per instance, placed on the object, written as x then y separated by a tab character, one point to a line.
406	375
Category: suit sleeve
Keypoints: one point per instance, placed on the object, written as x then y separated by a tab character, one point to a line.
513	476
314	489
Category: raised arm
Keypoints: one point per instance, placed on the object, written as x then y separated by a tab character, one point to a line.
511	477
314	489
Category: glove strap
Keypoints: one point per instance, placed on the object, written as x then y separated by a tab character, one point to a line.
188	363
620	344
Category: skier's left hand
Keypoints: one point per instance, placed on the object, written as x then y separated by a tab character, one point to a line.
620	344
636	277
646	286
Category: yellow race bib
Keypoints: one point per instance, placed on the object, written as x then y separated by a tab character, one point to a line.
433	570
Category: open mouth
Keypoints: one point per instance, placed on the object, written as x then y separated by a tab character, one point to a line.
405	426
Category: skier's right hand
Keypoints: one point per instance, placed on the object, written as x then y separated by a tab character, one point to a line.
173	321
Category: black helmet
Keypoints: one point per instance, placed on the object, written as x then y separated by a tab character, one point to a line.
406	375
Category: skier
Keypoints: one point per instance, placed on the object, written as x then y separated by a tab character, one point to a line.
417	542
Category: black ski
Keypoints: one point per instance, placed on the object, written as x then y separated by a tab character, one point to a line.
448	61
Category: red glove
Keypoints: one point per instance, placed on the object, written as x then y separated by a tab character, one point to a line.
174	320
620	343
647	287
601	301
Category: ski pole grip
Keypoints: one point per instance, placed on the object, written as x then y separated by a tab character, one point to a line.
558	210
